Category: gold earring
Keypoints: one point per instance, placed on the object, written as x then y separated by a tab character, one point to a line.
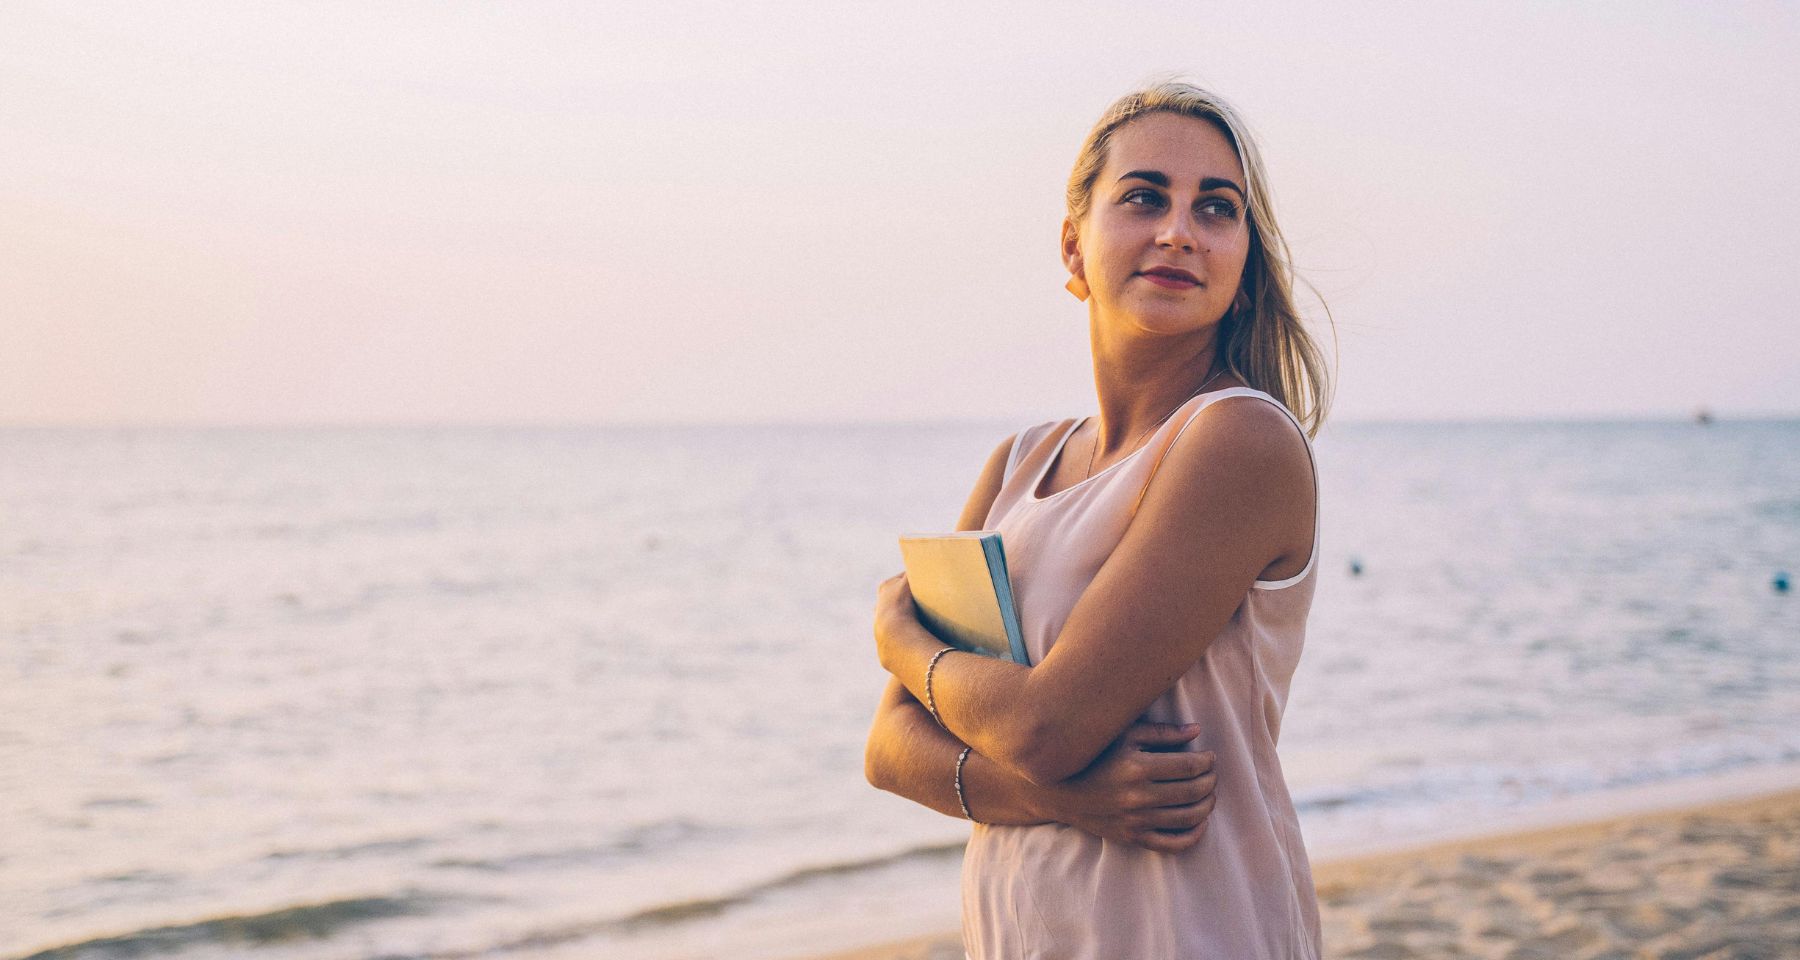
1078	287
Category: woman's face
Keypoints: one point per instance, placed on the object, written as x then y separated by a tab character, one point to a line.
1165	237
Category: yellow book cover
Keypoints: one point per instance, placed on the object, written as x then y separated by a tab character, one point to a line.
960	585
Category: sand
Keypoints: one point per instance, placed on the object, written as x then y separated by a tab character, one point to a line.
1713	882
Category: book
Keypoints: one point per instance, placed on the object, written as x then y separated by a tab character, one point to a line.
960	586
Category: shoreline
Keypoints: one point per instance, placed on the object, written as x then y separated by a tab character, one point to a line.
1685	869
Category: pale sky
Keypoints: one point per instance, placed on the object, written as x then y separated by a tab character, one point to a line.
457	213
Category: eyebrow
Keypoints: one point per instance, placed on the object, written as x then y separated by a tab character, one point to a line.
1162	180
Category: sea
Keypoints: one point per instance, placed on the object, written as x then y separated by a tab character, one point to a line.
348	693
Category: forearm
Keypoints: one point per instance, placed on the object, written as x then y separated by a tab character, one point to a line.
911	756
981	700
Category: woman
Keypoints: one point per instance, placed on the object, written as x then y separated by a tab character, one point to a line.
1163	558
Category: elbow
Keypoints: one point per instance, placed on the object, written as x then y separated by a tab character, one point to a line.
879	748
872	770
1045	770
1041	753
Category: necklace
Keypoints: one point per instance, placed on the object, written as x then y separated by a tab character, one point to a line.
1140	440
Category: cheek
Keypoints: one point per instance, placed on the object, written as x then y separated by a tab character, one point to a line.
1113	249
1106	268
1229	253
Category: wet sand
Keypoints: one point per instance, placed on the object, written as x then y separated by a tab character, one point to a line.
1714	882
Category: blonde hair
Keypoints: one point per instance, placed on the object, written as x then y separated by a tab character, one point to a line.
1262	339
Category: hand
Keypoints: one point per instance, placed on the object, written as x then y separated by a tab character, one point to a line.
1144	790
893	605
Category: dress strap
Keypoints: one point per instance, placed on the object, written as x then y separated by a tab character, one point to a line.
1209	398
1037	445
1012	458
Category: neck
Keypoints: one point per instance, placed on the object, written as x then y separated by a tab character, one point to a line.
1141	380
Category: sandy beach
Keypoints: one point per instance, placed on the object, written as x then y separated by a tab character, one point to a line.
1720	881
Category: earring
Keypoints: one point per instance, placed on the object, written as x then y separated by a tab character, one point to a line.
1078	287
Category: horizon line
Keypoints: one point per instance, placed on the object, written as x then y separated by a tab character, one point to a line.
1717	417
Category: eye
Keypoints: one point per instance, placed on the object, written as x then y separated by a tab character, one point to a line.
1219	207
1143	197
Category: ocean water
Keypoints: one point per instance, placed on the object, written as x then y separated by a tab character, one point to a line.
603	692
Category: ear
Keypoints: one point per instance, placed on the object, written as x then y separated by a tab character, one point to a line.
1071	249
1240	302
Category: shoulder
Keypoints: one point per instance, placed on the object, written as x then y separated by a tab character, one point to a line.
1011	450
1017	445
1252	422
1001	454
987	485
1243	446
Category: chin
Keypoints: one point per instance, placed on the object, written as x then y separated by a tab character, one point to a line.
1172	319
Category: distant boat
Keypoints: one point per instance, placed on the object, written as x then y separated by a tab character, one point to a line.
1703	416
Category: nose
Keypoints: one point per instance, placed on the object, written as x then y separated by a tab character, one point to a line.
1177	232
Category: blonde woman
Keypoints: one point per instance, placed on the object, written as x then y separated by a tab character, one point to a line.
1126	796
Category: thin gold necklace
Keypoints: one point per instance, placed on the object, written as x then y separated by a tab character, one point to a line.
1140	440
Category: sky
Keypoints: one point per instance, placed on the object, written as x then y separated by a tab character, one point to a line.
330	213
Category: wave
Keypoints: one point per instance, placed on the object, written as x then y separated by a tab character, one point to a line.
656	836
684	910
665	915
1472	786
312	920
350	850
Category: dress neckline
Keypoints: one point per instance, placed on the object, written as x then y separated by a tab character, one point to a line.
1043	472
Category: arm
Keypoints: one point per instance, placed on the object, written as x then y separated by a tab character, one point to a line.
1143	791
910	755
1140	792
1233	497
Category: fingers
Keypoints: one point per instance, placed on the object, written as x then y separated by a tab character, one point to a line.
1184	817
1176	793
1174	829
894	586
1176	766
892	598
1166	736
1172	842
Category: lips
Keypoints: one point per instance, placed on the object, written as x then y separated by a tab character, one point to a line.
1171	277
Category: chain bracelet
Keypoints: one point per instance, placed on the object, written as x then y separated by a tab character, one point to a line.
930	700
960	799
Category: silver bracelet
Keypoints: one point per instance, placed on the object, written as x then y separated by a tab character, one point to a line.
959	787
931	701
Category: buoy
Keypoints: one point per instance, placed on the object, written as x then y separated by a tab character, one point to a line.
1355	567
1781	583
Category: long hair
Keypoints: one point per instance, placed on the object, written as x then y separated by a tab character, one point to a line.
1262	339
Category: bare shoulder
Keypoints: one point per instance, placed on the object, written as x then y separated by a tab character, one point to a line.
987	487
1249	435
1241	469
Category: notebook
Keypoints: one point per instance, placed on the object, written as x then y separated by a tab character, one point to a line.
964	598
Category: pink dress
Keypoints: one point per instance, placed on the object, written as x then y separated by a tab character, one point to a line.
1051	892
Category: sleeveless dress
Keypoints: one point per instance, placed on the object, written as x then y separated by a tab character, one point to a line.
1245	892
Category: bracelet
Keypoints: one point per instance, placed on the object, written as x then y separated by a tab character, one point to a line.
931	701
959	787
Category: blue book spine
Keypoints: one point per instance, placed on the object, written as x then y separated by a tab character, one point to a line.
996	561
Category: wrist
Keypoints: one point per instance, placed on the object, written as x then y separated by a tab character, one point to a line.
902	640
887	645
1041	802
